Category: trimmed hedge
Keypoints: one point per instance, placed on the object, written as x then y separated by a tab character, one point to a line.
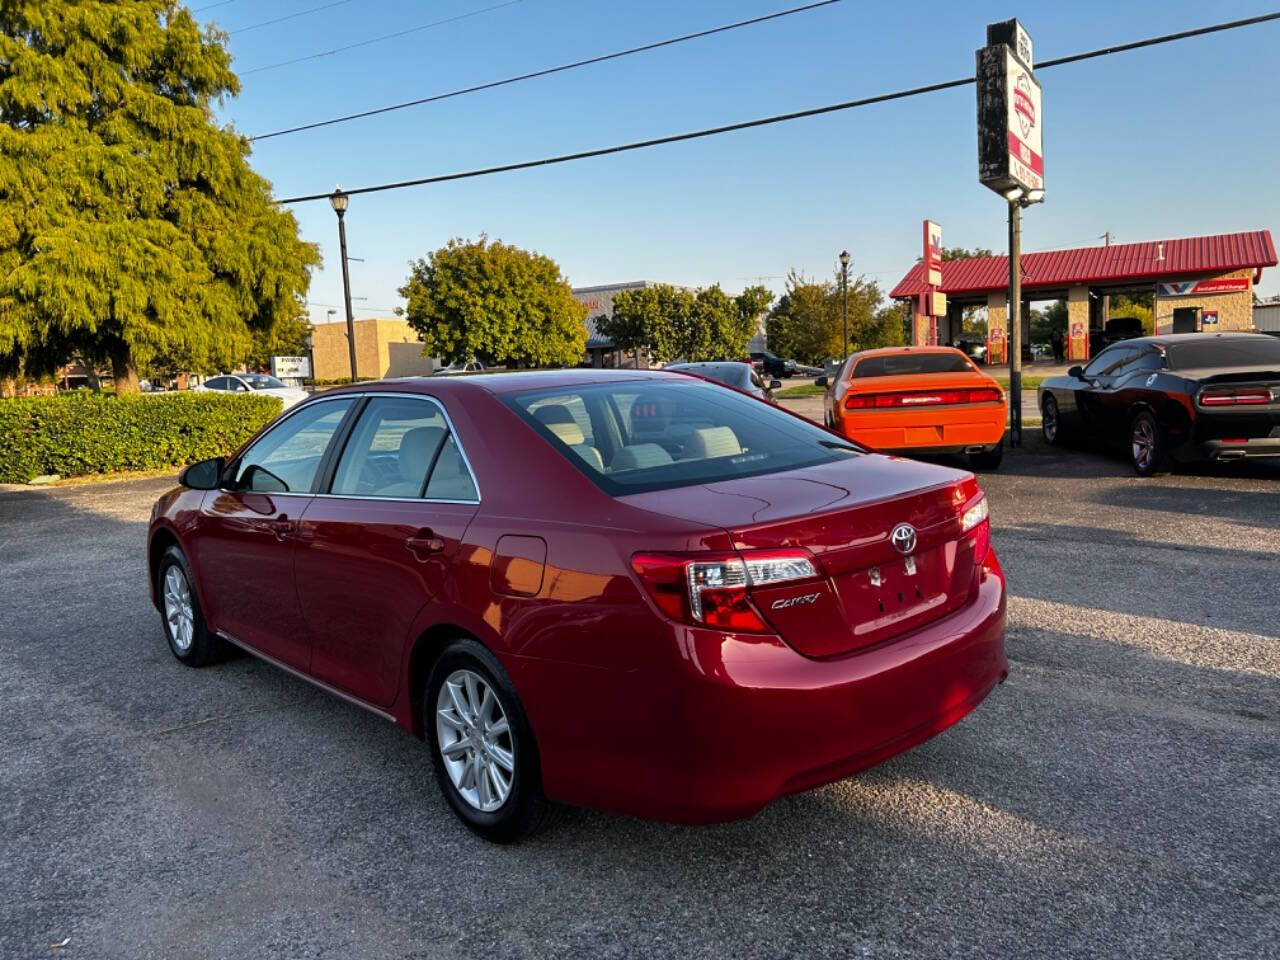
82	433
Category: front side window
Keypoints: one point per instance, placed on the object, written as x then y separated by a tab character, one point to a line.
657	435
402	448
286	458
1106	363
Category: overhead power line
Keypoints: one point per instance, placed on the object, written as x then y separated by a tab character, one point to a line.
220	3
288	16
385	36
786	117
546	71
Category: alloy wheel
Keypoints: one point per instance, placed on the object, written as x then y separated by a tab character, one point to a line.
475	740
1049	421
178	612
1144	443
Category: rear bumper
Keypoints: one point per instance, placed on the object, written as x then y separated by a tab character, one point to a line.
746	720
925	431
1228	450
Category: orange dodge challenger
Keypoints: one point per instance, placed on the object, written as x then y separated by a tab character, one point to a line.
921	400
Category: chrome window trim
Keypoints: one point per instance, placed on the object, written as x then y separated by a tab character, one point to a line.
462	451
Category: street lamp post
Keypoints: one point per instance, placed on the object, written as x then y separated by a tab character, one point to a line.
338	200
844	290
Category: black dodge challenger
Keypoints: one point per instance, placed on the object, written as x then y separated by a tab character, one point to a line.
1181	397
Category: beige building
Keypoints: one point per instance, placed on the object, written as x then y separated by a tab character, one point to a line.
385	347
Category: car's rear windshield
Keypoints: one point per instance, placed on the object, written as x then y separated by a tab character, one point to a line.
1261	352
895	364
636	435
734	374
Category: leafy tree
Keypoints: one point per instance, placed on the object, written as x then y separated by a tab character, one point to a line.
496	303
131	225
288	338
673	323
1044	322
808	322
1140	305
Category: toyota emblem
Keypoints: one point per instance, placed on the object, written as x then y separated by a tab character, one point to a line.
903	538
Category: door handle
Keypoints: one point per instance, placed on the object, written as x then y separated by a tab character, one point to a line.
282	527
424	543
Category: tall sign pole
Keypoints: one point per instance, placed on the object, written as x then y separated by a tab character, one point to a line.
933	303
1011	162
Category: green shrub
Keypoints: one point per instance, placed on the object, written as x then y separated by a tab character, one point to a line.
83	433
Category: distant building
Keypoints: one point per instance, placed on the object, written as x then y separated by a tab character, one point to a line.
1266	318
385	347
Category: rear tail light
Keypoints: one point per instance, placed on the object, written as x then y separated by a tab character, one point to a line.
975	524
711	589
1252	396
937	398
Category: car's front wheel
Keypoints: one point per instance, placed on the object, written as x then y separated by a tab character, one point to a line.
485	757
190	639
1050	421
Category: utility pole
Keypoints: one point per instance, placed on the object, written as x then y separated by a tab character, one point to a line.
339	200
1015	322
1106	300
844	289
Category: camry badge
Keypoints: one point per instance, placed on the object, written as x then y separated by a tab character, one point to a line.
903	538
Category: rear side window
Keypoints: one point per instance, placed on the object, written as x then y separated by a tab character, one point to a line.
896	364
402	448
657	435
1261	352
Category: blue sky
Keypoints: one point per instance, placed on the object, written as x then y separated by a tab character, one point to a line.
1176	140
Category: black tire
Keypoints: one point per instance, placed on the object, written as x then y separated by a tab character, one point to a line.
203	647
525	809
988	459
1148	449
1051	421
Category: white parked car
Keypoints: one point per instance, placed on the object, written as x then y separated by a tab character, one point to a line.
258	383
460	367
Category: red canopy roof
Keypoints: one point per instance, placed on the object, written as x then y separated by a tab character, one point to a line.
1117	263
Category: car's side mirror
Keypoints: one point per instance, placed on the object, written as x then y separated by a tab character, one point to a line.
1077	372
775	384
203	475
820	382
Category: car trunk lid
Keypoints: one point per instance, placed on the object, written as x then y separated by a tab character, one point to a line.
845	514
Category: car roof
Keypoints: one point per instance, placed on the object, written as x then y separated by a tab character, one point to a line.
898	351
1171	339
512	382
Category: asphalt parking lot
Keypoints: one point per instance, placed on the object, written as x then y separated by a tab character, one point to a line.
1116	797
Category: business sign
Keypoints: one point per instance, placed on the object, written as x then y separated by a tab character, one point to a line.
1198	288
1010	118
291	368
932	254
1209	318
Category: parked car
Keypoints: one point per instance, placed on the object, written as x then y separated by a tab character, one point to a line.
460	367
975	350
654	595
772	365
918	400
1117	329
258	383
1180	397
740	376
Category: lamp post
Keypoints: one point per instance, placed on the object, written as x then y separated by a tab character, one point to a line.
338	200
844	290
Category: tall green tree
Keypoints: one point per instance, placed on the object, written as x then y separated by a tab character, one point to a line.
496	303
131	225
808	322
671	323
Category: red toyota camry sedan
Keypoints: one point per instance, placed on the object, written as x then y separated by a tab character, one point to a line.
628	590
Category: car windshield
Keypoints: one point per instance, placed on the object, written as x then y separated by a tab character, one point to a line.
638	435
894	364
1261	352
260	381
734	374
